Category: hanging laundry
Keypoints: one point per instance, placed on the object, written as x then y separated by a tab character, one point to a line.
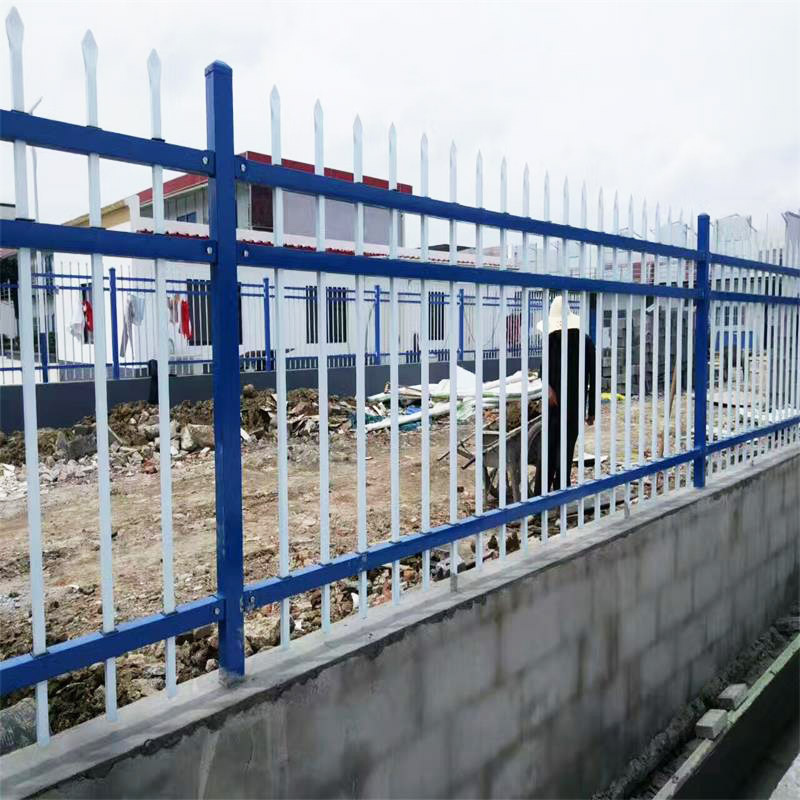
127	327
88	316
8	320
173	304
76	327
137	308
186	322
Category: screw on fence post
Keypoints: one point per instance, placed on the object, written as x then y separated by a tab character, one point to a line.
701	353
112	296
377	324
267	339
225	366
460	324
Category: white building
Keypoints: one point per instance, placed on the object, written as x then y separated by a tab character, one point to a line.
132	334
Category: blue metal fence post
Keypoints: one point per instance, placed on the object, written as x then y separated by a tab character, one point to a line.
377	316
701	351
225	365
43	354
460	324
112	296
267	337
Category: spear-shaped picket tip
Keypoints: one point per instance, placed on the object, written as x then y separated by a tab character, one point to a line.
318	151
275	123
584	216
453	161
358	150
154	73
479	179
423	165
546	203
392	156
600	210
15	29
154	68
504	185
89	47
644	218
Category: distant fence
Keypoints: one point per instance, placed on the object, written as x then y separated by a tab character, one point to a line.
705	424
64	339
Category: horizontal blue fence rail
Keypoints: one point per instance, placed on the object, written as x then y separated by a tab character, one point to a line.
222	252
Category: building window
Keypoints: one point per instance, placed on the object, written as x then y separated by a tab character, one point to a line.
336	316
199	297
261	208
436	305
182	208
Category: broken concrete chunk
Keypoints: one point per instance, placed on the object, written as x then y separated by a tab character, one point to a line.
194	437
711	724
732	696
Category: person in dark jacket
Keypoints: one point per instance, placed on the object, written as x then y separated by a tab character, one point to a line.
572	399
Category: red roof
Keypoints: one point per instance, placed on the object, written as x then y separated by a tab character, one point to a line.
188	181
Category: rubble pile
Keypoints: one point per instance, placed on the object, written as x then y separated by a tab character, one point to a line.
134	441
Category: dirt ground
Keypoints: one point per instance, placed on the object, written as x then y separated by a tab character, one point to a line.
71	548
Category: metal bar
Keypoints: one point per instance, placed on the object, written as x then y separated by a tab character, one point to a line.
425	354
23	233
460	324
307	183
268	362
562	421
225	354
100	391
43	357
323	321
16	673
377	316
361	345
478	335
21	671
86	139
112	292
14	29
502	470
272	590
453	374
765	431
524	339
162	355
700	346
259	255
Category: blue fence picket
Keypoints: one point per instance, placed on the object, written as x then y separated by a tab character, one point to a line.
225	350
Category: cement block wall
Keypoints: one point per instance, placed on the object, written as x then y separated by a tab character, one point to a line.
540	678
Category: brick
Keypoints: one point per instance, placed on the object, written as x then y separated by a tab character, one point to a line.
637	629
674	603
732	696
691	640
711	724
658	664
706	583
657	563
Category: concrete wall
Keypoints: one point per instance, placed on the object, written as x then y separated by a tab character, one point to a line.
540	678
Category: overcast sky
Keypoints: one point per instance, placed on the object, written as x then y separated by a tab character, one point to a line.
693	105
